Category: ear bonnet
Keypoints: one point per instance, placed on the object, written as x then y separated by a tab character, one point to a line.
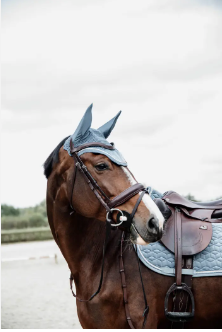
85	134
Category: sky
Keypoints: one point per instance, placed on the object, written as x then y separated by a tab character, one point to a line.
160	62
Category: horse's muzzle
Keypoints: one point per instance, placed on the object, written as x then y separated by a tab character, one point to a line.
150	232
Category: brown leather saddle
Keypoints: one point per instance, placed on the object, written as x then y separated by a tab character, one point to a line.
188	231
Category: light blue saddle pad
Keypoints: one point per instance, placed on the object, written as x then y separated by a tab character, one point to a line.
206	263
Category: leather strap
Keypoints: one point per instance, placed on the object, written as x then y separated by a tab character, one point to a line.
137	204
91	182
124	287
126	194
178	246
181	300
123	280
126	224
74	149
73	184
146	310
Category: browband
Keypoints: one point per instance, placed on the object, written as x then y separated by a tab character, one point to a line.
89	145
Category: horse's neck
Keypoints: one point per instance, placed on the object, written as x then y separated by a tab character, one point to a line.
91	234
81	241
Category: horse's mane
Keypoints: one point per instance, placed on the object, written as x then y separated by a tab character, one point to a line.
53	158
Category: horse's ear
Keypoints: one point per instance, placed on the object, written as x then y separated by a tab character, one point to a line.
84	125
108	126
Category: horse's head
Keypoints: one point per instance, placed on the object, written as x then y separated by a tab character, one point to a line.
101	170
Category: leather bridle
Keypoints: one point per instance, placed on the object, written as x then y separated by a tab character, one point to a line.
124	219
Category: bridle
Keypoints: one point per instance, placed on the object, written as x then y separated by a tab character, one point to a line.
124	219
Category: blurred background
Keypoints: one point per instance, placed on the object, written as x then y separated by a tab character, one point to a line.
160	62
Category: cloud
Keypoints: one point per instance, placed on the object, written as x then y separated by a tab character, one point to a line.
160	62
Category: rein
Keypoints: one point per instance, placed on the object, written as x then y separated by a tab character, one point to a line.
124	287
124	220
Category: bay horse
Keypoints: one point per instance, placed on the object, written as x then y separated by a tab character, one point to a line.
78	219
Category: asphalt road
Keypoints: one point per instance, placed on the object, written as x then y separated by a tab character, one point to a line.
35	292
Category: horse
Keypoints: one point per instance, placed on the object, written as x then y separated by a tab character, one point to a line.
107	266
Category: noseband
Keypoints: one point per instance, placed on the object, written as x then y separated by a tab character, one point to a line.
124	219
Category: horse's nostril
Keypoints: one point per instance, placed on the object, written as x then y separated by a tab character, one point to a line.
152	223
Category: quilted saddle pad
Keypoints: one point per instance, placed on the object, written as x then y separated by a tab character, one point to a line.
206	263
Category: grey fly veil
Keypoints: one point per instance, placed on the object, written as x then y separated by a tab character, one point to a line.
85	134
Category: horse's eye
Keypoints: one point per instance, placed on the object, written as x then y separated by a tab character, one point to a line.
101	167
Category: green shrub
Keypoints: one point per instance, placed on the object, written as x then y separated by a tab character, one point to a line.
8	210
13	218
37	220
12	222
24	221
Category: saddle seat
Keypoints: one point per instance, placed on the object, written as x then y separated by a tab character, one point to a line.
172	197
211	204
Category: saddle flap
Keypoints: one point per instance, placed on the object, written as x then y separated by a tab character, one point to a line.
196	234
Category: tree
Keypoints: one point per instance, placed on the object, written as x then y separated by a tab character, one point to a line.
8	210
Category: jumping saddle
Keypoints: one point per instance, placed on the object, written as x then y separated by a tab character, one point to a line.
188	231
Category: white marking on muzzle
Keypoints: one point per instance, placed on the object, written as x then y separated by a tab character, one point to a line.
140	241
147	200
154	210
